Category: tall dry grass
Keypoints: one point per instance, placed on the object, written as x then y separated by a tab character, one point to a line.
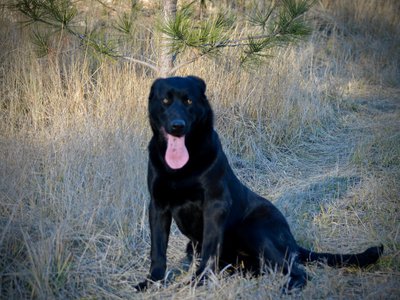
315	129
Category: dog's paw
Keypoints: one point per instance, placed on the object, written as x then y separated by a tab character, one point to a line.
142	286
294	285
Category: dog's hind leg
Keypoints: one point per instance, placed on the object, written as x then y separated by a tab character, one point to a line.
274	258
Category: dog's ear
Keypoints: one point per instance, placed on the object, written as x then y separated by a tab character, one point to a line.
154	87
199	82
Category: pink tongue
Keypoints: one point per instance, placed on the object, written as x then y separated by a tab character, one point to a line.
176	155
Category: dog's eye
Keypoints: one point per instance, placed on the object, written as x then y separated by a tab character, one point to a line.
166	101
188	101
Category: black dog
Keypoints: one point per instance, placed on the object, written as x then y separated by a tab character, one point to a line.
191	181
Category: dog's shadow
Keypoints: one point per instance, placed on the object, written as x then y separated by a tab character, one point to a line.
301	205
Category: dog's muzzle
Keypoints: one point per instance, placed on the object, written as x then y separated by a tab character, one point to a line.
177	127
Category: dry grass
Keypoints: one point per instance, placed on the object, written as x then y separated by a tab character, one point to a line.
316	130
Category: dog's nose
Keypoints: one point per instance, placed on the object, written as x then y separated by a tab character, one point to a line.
178	126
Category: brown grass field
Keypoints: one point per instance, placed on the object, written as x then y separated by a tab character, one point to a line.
316	129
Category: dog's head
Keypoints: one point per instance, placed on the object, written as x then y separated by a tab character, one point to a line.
177	107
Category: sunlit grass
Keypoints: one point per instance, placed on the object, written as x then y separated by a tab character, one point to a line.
315	129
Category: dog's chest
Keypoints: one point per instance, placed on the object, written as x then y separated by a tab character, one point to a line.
176	193
185	201
189	219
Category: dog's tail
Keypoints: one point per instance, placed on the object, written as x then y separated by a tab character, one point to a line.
368	257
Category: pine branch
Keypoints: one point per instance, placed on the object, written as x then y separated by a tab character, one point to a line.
275	27
139	61
211	36
59	14
184	33
188	62
261	18
41	42
106	6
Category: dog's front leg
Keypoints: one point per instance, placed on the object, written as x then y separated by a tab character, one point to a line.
160	224
214	214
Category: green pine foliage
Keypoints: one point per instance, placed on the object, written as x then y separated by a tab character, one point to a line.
206	36
56	13
279	24
276	26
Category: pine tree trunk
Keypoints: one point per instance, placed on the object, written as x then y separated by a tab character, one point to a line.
166	62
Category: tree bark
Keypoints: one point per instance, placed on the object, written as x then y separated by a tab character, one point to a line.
166	61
